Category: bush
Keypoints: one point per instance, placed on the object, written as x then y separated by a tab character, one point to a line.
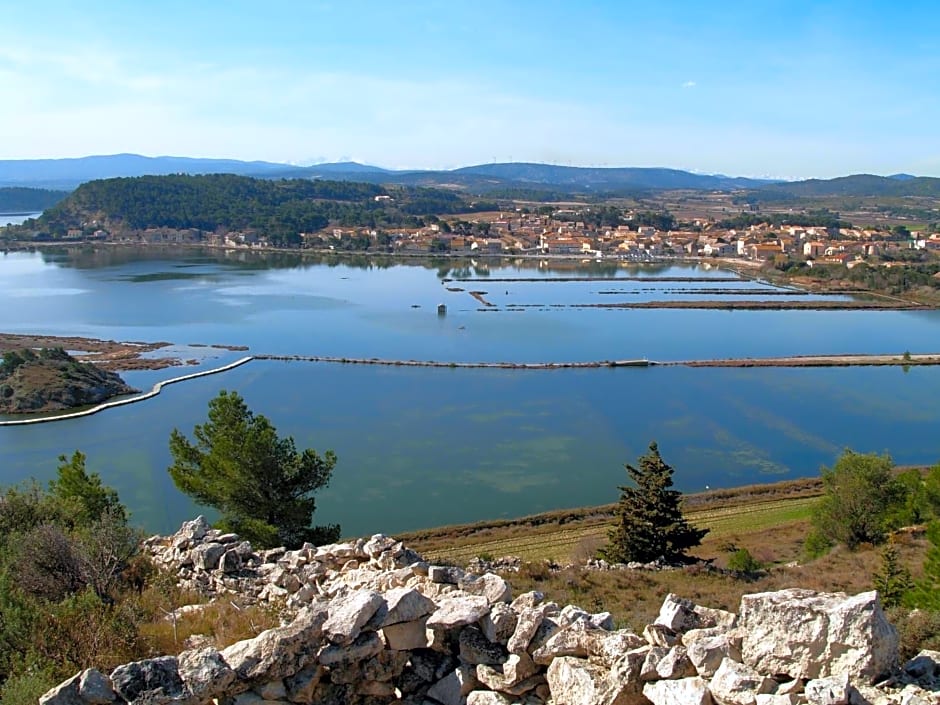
741	561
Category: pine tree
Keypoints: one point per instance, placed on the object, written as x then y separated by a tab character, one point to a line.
893	580
650	524
261	484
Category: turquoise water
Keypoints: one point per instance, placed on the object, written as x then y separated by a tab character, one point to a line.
423	447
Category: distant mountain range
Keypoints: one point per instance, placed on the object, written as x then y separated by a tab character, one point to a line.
484	179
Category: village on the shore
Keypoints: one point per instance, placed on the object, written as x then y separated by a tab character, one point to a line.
565	232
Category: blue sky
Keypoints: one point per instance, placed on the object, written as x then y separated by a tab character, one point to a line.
789	89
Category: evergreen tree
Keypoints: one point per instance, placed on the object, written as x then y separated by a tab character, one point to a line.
650	524
926	591
261	485
893	579
93	499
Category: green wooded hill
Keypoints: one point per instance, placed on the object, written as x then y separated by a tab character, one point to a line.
855	185
281	208
28	200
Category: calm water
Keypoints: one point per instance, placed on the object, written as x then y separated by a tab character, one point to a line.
15	218
422	447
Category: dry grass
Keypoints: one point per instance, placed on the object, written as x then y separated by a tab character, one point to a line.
218	623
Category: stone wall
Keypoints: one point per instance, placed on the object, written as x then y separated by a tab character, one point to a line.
370	623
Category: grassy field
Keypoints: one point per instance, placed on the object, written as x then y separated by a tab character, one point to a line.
770	521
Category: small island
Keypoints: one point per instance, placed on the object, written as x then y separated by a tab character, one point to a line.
49	379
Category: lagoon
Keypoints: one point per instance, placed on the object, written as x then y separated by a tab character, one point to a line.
424	447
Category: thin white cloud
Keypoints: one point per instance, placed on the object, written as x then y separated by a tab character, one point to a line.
689	84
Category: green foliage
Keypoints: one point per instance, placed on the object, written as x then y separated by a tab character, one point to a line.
18	199
893	579
741	561
926	591
816	545
859	497
279	209
94	499
261	485
62	556
650	524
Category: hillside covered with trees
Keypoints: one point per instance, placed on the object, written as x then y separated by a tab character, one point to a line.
281	208
28	200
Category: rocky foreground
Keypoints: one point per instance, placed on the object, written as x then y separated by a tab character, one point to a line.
370	623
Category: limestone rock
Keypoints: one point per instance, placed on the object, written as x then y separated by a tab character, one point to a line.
805	634
204	673
206	556
457	611
707	648
527	600
407	635
578	639
737	684
153	681
666	664
488	697
926	665
66	693
453	688
277	653
302	685
530	619
685	691
366	644
500	624
681	615
406	605
575	681
834	690
517	669
660	635
349	616
475	648
95	688
489	585
616	644
445	574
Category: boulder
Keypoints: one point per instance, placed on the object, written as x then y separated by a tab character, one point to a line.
406	605
805	634
834	690
685	691
206	556
681	615
302	686
475	648
366	645
500	624
348	616
153	681
737	684
407	635
575	681
707	648
453	688
95	688
616	644
507	677
580	639
489	585
277	653
205	673
66	693
456	611
666	664
924	666
530	619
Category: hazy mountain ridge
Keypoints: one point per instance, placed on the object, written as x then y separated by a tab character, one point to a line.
477	179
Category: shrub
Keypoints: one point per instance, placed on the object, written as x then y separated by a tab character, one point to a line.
741	561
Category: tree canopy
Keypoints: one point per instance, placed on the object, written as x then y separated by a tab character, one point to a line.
860	495
650	525
260	484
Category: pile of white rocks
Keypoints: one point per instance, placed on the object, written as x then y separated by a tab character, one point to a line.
372	624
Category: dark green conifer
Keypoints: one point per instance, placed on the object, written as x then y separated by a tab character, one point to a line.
650	524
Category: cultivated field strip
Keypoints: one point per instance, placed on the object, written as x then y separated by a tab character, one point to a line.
576	542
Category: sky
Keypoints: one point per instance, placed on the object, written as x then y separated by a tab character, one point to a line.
789	89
